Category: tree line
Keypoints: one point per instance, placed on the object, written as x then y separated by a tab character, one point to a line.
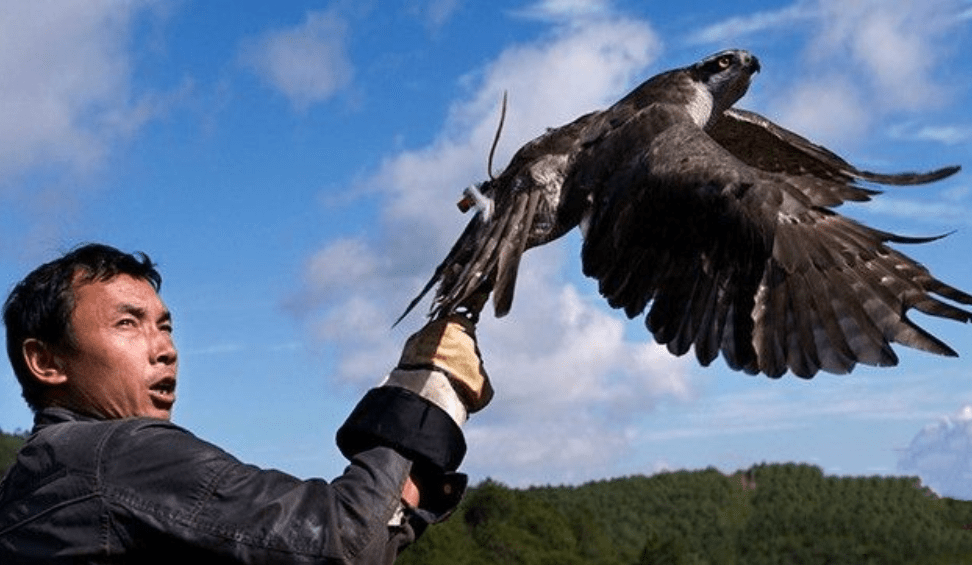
771	513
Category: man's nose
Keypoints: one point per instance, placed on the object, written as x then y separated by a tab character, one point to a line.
164	348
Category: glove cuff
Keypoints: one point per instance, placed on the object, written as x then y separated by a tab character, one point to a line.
432	385
394	417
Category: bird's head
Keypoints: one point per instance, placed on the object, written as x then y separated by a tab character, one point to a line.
725	76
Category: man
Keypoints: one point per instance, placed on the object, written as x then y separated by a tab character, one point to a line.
106	478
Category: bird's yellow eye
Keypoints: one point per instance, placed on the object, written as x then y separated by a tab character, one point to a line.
725	61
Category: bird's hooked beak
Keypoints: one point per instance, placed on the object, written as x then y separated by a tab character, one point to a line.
751	64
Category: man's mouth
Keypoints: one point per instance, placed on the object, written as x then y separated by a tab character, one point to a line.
163	392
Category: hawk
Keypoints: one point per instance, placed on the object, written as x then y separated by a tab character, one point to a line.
715	223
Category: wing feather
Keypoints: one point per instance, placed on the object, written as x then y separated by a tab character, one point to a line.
709	334
514	240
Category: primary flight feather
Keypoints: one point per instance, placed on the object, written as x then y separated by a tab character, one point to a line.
716	221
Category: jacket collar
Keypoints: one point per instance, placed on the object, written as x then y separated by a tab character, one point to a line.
54	415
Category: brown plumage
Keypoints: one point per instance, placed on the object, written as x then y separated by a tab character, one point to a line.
716	221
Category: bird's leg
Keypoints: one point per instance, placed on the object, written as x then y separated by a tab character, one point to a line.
472	197
473	305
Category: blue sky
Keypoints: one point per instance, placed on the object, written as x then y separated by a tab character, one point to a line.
293	168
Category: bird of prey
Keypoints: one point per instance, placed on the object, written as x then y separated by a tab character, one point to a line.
717	222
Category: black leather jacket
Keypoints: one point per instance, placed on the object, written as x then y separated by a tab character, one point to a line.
146	491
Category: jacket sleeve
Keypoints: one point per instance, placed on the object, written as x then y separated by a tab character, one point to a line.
168	491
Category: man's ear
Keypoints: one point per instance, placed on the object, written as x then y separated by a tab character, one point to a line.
43	362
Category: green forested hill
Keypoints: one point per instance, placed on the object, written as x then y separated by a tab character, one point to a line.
786	513
9	444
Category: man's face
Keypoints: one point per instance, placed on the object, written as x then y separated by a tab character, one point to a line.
124	361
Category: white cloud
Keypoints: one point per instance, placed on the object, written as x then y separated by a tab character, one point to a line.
941	454
346	262
892	44
66	93
569	385
863	61
965	13
565	10
308	63
563	370
830	108
952	134
741	26
949	211
435	13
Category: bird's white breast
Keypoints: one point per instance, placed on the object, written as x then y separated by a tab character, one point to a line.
700	105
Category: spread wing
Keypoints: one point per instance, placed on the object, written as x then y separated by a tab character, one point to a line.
765	145
736	251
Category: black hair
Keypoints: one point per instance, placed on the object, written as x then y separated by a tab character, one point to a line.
40	306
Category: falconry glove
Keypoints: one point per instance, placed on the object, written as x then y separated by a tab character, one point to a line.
442	361
419	408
